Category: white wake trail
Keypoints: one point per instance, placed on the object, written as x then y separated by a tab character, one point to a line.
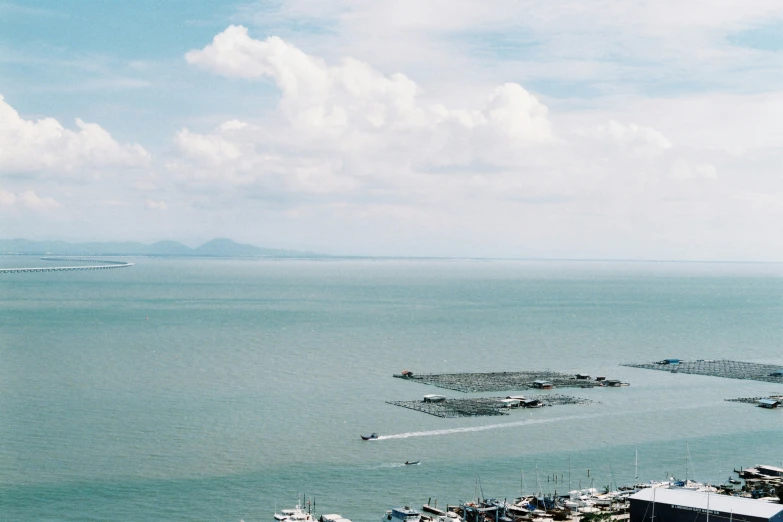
516	424
469	429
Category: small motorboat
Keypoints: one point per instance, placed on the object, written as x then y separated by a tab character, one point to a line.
732	480
372	436
411	463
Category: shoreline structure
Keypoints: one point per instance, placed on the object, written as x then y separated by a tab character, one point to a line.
105	265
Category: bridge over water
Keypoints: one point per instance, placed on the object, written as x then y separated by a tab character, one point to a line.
104	265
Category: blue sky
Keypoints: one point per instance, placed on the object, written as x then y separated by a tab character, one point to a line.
516	129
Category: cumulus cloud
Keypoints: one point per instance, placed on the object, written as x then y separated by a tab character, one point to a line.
354	96
44	144
348	128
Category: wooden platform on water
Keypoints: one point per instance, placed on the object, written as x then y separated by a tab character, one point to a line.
497	381
719	368
483	406
755	400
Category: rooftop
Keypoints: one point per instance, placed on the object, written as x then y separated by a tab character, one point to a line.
703	500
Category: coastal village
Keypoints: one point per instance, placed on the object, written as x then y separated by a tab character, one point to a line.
754	495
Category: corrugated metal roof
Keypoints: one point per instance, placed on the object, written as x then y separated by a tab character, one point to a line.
715	502
769	468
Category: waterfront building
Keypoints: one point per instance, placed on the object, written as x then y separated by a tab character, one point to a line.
678	505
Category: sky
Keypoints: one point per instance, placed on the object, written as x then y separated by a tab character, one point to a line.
577	129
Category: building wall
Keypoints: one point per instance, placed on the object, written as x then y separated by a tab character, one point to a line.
641	511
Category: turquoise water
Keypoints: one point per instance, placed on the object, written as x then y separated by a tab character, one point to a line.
191	389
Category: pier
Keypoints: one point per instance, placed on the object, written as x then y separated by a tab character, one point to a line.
485	406
719	368
104	265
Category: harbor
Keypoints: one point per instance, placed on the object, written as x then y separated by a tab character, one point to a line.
757	497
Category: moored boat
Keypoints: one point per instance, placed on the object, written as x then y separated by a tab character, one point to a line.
296	514
332	518
403	514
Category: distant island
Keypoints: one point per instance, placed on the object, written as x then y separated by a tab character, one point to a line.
216	248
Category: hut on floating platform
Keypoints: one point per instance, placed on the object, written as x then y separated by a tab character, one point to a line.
542	385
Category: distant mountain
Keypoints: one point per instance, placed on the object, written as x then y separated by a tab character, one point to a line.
222	247
214	248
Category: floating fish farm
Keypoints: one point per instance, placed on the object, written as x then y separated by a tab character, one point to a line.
755	400
719	368
484	406
497	381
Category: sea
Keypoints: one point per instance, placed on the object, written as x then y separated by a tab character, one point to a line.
228	389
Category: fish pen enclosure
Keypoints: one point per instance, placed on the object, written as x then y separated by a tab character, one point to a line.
770	401
485	406
496	381
719	368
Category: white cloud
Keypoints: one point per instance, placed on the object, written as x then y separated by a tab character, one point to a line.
374	148
7	199
352	96
42	145
156	205
631	134
683	170
27	200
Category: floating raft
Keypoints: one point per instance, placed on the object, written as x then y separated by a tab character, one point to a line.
719	368
497	381
482	406
755	400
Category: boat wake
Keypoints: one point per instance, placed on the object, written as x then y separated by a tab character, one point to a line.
469	429
516	424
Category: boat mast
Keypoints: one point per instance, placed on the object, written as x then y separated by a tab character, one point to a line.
522	484
636	466
539	493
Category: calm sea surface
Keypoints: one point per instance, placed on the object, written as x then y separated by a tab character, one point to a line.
190	389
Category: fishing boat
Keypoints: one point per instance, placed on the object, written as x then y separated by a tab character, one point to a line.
411	462
372	436
403	514
296	514
732	480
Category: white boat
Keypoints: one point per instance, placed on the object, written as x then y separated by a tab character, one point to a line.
403	514
450	516
332	518
580	499
296	514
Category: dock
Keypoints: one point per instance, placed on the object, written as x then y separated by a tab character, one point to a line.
484	406
719	368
